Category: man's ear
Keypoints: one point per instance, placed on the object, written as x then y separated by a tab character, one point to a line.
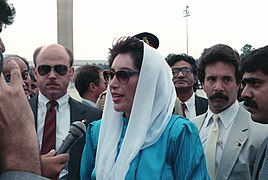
91	86
35	71
195	79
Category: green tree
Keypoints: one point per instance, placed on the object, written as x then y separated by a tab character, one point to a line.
245	50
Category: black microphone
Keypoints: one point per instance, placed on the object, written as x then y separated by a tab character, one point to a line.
77	130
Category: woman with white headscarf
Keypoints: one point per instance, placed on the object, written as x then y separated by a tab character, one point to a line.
138	137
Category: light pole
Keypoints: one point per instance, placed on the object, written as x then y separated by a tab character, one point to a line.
186	14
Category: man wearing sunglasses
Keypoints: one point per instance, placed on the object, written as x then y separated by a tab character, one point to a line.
53	71
184	70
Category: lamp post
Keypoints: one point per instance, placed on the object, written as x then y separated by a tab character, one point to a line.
186	14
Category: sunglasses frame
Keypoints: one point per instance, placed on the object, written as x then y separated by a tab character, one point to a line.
57	69
108	75
182	70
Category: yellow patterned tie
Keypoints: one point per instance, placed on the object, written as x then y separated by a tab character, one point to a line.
210	149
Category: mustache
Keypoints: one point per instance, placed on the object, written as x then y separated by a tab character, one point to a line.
219	95
250	103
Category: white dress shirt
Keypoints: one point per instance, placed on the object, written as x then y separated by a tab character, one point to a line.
225	123
190	110
89	102
62	120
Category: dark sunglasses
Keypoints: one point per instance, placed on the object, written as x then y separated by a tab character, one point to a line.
184	70
60	69
122	75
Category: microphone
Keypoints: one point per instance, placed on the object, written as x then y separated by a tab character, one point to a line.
77	130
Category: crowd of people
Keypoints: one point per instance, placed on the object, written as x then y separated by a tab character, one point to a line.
144	119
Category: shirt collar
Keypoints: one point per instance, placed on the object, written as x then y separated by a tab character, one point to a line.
62	102
89	102
227	116
190	102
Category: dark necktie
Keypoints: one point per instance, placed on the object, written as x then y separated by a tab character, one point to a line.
49	134
183	107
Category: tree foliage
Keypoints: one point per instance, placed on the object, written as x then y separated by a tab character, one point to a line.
245	50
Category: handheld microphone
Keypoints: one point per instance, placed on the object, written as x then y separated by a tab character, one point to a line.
77	130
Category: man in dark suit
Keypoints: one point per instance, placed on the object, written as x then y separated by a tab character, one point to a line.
184	70
53	71
89	83
254	68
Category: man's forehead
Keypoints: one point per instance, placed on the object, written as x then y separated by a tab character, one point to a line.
257	75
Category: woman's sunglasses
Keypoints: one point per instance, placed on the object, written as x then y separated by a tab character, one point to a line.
60	69
122	75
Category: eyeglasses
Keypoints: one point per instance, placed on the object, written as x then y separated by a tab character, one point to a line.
122	75
184	70
60	69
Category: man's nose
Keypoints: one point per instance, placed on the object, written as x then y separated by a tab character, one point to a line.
218	86
246	93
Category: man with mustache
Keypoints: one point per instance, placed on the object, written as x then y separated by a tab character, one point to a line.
184	70
53	71
229	137
254	68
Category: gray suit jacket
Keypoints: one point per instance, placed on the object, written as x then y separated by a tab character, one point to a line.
243	141
78	112
15	175
261	169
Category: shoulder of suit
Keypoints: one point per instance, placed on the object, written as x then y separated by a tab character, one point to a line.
33	101
199	117
201	98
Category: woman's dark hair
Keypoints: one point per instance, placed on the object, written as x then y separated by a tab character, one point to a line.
131	45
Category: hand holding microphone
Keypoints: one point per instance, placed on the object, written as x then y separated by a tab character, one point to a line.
77	130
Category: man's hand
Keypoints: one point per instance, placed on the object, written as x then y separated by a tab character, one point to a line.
52	165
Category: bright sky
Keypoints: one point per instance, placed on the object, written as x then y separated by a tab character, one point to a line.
97	23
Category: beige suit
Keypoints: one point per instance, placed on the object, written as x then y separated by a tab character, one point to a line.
243	141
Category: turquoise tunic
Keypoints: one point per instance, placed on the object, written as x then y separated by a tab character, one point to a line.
178	154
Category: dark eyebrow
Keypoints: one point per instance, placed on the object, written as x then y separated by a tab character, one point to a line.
251	79
25	71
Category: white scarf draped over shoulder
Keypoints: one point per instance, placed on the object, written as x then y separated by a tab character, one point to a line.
152	108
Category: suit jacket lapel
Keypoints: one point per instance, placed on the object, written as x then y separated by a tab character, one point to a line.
77	111
34	104
235	141
199	121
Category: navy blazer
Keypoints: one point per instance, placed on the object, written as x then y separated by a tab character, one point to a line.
78	112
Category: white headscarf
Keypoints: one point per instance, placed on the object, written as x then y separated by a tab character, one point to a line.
152	108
